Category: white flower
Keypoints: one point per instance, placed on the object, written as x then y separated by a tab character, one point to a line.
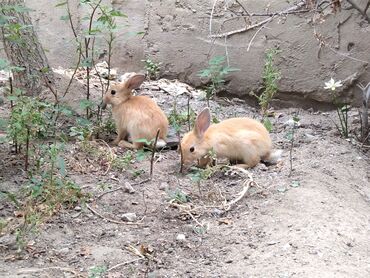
332	85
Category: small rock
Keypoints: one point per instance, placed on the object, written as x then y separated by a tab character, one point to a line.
163	186
291	123
180	237
153	274
77	208
129	217
129	188
309	138
217	212
63	251
229	261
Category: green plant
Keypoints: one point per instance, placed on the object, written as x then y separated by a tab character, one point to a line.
101	27
123	162
270	76
290	137
97	271
177	119
178	196
83	130
216	72
152	68
27	122
341	108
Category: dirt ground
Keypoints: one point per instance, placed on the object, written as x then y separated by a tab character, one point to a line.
312	223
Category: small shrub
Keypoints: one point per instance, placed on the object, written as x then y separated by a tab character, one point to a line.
216	73
270	77
152	68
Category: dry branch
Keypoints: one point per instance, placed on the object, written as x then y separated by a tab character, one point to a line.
109	219
362	12
261	23
124	263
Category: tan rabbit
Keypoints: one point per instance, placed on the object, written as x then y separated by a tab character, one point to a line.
240	139
136	116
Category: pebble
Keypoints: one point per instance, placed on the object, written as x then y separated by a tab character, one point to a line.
128	188
129	217
63	251
163	186
180	237
77	208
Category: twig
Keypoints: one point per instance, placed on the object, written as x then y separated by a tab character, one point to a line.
273	15
119	188
125	263
153	153
255	34
357	7
211	17
181	154
244	9
33	270
244	29
187	212
111	220
188	118
246	186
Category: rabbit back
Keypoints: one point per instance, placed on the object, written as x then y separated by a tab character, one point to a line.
141	117
242	139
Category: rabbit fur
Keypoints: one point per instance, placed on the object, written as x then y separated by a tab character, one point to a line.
240	139
137	117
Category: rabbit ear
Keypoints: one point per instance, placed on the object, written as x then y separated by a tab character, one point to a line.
202	122
135	81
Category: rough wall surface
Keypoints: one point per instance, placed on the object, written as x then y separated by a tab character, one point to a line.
177	34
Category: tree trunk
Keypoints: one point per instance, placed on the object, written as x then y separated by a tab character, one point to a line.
23	49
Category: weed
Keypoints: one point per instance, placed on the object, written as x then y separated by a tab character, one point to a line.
270	76
177	119
97	271
216	73
27	122
101	26
152	68
178	196
290	137
197	174
341	108
123	162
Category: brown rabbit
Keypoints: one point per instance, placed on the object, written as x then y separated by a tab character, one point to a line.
241	139
136	116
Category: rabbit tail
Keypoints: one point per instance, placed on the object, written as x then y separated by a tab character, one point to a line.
274	157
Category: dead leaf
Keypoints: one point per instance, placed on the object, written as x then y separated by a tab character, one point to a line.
225	221
85	251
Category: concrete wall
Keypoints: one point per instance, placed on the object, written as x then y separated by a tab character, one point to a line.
177	34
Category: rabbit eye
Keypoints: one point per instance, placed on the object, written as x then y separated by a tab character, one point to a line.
113	92
191	149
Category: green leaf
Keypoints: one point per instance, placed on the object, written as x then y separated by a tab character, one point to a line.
140	155
61	166
267	123
143	140
64	17
12	98
85	103
61	4
295	184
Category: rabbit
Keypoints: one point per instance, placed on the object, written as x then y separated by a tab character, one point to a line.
138	117
241	139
